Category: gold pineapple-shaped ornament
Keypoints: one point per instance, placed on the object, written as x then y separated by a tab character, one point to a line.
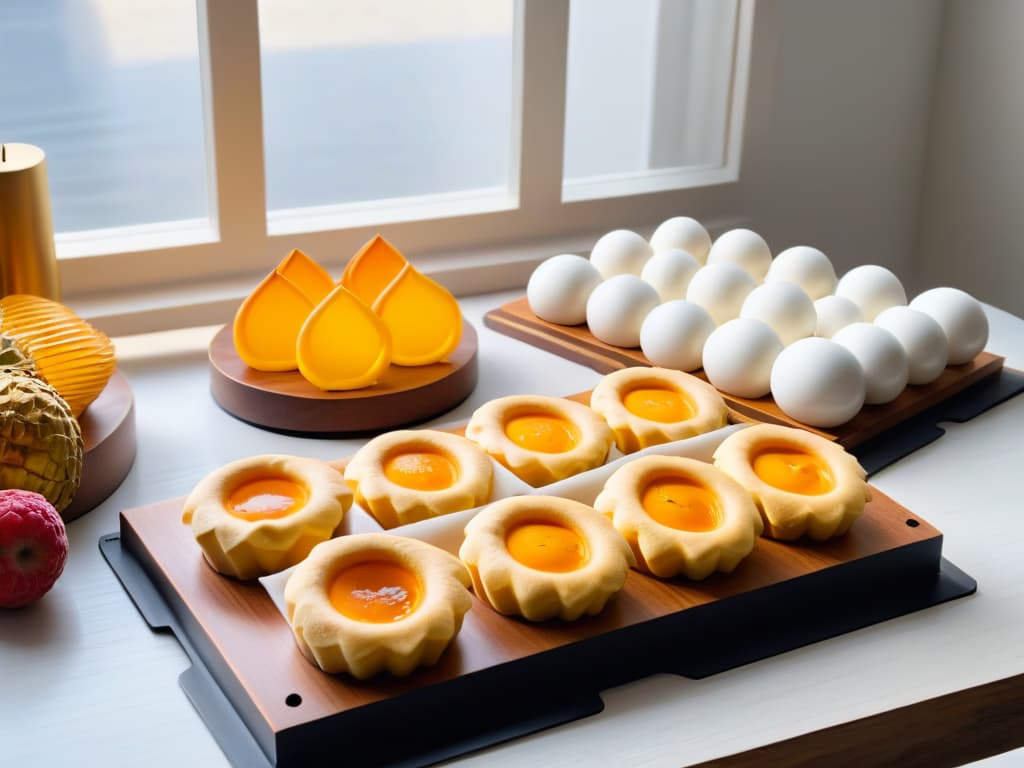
40	439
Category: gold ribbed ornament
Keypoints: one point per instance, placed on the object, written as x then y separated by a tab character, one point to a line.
68	353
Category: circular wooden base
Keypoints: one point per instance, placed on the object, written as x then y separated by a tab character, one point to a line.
286	402
108	431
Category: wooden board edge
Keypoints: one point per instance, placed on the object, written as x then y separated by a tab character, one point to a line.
948	730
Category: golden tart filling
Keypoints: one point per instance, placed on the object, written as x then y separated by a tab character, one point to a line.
544	557
377	591
263	514
803	484
660	404
370	603
266	498
649	406
540	439
681	503
792	470
680	516
406	476
546	547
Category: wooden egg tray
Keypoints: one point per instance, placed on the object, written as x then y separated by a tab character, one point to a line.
503	677
576	343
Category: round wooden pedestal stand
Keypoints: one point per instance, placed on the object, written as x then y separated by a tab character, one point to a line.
108	431
286	402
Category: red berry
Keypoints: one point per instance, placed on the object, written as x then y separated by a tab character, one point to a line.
33	547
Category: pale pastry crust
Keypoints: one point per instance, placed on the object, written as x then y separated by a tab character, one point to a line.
392	504
664	551
634	432
789	516
248	549
337	643
486	428
512	588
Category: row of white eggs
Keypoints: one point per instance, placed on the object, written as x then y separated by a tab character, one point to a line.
751	338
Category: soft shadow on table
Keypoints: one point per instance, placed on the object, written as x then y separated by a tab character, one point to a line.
43	623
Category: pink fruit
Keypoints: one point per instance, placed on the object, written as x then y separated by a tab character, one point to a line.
33	547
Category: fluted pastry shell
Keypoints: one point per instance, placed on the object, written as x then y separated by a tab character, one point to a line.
486	428
633	432
512	588
787	515
339	644
393	504
69	354
665	551
246	549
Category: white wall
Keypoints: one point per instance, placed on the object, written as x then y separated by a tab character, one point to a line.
835	147
972	205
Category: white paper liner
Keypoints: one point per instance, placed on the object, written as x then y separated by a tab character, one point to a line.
446	531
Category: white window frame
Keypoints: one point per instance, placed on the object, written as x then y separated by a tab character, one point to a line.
175	274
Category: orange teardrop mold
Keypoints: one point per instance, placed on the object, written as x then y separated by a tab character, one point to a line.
268	323
423	317
343	344
372	269
306	275
70	355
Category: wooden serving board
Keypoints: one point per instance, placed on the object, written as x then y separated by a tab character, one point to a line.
503	670
576	343
286	402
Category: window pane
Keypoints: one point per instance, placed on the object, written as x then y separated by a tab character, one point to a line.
374	99
110	90
648	86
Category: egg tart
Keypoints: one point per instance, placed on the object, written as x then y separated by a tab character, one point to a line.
368	603
409	475
650	406
263	514
803	484
543	557
540	439
680	516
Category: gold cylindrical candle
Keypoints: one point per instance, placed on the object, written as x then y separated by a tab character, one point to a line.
28	260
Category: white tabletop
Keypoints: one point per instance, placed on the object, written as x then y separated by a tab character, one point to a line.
84	680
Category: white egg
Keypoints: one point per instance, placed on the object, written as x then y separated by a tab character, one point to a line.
720	289
818	382
738	357
620	252
673	335
617	308
670	273
784	307
922	338
835	312
960	316
745	248
872	288
559	288
807	267
881	357
683	233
